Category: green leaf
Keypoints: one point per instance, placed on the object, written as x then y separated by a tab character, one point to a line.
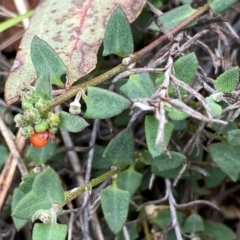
193	223
115	204
118	37
103	104
163	218
46	190
219	6
215	108
139	86
18	194
215	178
3	154
151	130
172	18
163	162
43	86
218	231
47	62
49	231
176	114
233	137
227	158
27	182
227	81
29	204
71	123
129	180
120	148
185	69
41	155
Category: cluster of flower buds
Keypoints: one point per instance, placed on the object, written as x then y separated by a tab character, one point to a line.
36	121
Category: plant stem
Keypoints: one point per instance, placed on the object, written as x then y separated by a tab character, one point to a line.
133	59
72	194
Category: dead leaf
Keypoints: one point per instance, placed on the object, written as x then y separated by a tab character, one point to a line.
75	30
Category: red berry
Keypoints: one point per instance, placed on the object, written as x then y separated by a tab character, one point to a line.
39	139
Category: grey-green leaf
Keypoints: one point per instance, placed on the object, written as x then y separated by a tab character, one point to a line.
115	204
46	61
151	130
233	137
185	69
103	104
18	194
227	158
215	108
172	18
163	162
120	148
139	86
129	180
219	6
227	81
193	223
71	123
49	231
118	37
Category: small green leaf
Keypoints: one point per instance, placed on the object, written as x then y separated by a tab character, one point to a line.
163	218
133	233
71	123
47	62
233	137
52	189
215	177
120	148
18	194
129	180
185	69
103	104
43	86
172	18
219	6
163	162
193	223
27	182
227	158
218	231
30	204
49	231
118	37
115	204
176	114
139	86
3	154
227	81
215	108
46	190
41	155
151	130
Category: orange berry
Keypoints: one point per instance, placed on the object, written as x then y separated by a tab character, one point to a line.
39	139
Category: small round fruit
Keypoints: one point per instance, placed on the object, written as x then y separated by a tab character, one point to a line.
39	140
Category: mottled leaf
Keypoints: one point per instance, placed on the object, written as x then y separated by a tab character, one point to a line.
74	29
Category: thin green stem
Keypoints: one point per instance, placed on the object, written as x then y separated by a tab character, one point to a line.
133	59
72	194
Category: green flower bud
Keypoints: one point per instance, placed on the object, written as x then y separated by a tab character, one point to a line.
19	120
42	126
30	96
42	105
26	105
27	131
32	116
53	120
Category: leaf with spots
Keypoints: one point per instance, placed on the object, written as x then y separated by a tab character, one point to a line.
74	29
